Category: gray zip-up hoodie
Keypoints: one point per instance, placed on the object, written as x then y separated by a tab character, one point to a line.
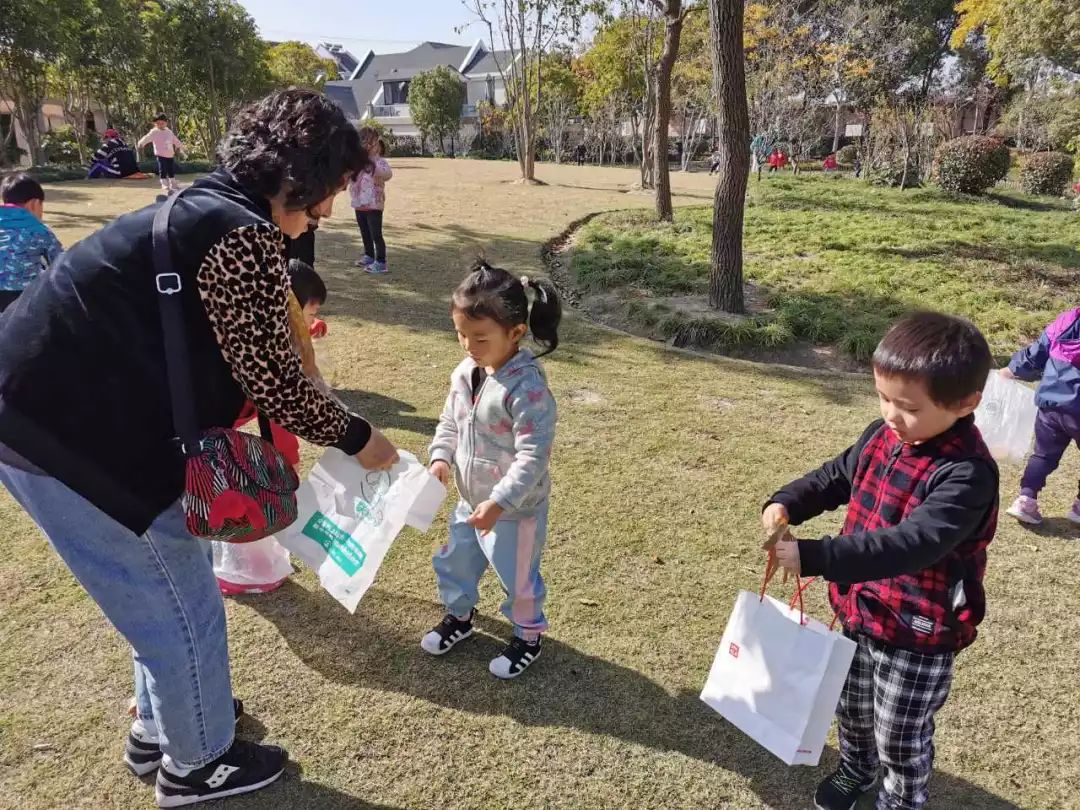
500	445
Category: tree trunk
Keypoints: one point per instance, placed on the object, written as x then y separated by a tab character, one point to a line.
646	138
836	126
729	82
662	117
27	117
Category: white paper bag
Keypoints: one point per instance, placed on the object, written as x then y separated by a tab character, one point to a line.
347	517
1006	418
777	681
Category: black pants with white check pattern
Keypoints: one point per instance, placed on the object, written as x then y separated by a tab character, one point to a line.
886	718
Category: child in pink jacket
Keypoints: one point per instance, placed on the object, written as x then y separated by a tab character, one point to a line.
166	145
368	193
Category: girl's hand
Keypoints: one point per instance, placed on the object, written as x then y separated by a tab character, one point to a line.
1006	373
485	516
787	555
441	470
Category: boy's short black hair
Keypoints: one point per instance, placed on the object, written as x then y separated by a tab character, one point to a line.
307	285
20	188
948	354
161	117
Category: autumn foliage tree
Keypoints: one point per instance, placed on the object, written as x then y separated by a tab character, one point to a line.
295	64
527	29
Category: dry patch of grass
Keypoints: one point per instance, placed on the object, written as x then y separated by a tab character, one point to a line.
661	463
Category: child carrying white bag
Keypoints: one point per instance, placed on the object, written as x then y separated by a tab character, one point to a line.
347	517
906	570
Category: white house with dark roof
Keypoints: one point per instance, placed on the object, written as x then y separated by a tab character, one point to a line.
378	87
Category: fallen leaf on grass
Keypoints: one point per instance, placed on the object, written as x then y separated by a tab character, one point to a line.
589	602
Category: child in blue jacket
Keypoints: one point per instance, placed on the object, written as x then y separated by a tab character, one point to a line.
497	431
27	246
1055	359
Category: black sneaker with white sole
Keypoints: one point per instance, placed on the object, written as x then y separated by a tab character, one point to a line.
842	789
443	636
244	768
142	755
518	656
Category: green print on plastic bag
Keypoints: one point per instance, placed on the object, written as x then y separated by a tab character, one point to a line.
341	547
373	489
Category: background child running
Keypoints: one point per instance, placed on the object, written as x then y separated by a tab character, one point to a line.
27	246
1053	358
496	431
166	145
921	490
368	191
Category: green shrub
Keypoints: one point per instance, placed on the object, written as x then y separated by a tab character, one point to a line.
971	164
889	172
405	146
61	146
1002	160
846	155
1046	173
489	146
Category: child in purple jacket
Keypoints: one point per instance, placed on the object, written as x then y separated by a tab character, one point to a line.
1055	359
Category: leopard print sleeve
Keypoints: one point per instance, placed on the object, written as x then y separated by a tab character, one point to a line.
244	284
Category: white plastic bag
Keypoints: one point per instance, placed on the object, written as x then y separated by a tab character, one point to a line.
777	677
347	517
251	567
1006	418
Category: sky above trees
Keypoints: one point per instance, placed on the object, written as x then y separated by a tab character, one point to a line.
380	26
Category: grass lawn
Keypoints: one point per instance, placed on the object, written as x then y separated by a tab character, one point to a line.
834	261
661	463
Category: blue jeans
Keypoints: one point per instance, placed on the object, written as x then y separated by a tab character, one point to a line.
513	549
160	592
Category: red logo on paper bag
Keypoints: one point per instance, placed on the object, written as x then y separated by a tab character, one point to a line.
733	650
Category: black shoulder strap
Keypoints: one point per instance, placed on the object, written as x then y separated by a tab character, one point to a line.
169	284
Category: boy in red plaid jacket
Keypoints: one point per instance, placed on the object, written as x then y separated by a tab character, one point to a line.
906	572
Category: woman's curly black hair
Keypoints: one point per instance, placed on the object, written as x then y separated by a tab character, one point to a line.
294	140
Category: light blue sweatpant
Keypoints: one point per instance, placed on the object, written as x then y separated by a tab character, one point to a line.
513	548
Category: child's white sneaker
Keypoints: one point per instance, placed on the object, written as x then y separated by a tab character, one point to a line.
1026	510
518	656
440	639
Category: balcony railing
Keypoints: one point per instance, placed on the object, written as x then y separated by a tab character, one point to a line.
389	110
402	110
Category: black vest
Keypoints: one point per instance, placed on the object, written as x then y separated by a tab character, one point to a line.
83	390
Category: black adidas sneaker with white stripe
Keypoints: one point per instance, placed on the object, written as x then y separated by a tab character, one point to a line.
518	656
142	754
244	768
443	636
